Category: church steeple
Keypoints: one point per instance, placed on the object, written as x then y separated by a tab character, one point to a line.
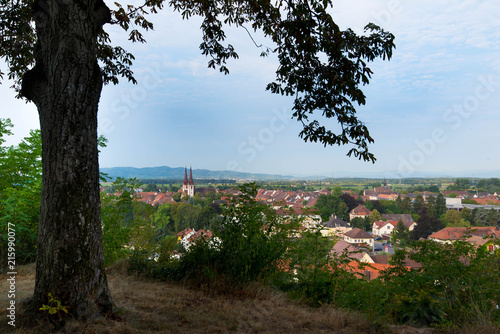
190	176
188	184
185	177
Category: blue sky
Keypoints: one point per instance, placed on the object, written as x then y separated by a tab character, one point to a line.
433	109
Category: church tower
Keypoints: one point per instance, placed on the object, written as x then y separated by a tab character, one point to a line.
188	184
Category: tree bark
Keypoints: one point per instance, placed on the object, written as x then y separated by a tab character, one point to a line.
65	85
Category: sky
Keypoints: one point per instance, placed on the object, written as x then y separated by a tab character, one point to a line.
433	109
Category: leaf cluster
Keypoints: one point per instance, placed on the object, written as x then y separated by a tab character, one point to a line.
20	191
454	285
321	66
247	244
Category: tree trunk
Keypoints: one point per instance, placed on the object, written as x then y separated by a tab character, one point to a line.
65	85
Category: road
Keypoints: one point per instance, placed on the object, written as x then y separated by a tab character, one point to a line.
378	244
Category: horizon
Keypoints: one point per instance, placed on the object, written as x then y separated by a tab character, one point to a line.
345	174
432	109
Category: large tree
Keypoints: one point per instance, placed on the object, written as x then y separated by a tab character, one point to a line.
426	225
59	56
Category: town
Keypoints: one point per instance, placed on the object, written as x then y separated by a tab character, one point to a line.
367	224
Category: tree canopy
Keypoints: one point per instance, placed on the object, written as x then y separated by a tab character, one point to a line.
321	66
59	55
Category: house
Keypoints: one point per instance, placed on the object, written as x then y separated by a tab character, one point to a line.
405	218
352	251
451	234
456	204
384	259
370	194
188	236
335	227
368	271
388	197
382	228
360	211
309	220
146	197
358	236
378	193
390	222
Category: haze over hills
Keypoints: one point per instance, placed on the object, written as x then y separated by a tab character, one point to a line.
165	172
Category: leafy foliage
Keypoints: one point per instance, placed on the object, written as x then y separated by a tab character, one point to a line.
490	185
375	216
426	225
363	223
55	306
20	189
484	217
327	205
320	65
125	222
454	286
460	184
247	244
400	235
315	274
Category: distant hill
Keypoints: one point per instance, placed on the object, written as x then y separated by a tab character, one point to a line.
165	172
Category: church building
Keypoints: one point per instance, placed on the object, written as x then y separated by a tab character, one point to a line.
188	185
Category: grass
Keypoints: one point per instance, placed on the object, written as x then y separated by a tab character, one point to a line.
151	306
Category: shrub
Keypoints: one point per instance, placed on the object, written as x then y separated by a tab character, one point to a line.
454	287
247	244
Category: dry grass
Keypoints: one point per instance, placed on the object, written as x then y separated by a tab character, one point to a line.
158	307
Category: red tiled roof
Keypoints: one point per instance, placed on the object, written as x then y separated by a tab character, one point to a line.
353	252
488	200
406	218
360	210
369	270
388	196
358	233
456	233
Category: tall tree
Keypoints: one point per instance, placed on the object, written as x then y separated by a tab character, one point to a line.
327	205
398	202
343	211
467	215
454	218
406	205
400	235
375	216
426	225
418	204
350	201
440	205
55	64
431	206
484	217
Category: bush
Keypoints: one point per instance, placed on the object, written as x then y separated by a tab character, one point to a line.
247	244
454	287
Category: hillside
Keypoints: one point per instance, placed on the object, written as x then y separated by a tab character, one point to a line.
165	172
158	307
